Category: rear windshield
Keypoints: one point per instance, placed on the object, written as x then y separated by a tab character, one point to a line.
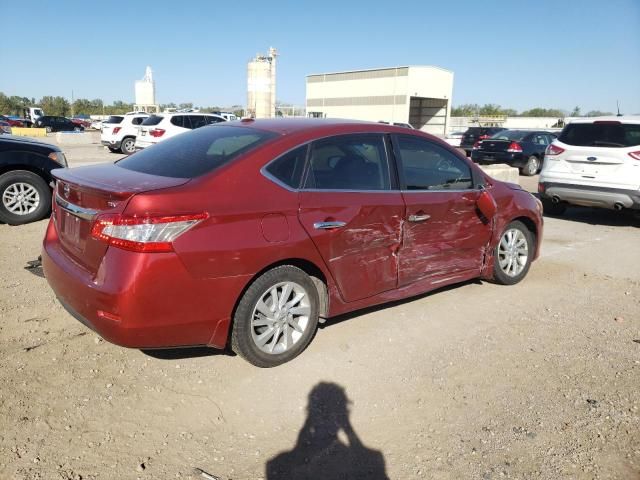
509	135
197	152
152	120
114	119
613	134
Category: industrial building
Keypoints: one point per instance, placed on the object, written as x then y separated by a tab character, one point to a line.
261	85
419	95
146	94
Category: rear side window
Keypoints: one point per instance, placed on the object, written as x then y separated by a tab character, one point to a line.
210	119
178	121
195	153
516	135
152	120
289	167
349	162
114	119
427	166
137	120
601	134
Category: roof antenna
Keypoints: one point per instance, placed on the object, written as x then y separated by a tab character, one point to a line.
618	105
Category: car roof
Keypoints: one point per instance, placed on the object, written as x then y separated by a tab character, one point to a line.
27	141
609	118
173	114
285	126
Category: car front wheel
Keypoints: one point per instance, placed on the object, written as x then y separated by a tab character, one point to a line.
276	318
532	166
25	197
513	254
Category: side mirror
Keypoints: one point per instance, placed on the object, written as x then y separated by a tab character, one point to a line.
487	205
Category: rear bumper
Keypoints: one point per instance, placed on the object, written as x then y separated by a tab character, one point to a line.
591	196
111	143
142	144
517	160
142	300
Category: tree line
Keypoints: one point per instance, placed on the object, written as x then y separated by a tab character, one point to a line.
490	110
60	106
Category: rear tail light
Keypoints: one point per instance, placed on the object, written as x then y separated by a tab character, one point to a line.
553	150
476	145
116	129
156	132
635	155
541	188
514	147
483	137
143	234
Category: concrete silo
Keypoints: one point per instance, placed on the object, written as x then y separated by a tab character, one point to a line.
261	85
146	93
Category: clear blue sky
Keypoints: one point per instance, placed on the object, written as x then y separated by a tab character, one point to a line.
517	54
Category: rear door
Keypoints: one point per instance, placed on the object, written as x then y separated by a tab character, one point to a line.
351	212
444	236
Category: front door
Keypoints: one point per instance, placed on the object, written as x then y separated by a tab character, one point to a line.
351	213
444	235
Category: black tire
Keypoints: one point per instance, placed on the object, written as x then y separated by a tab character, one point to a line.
128	145
114	150
242	341
554	209
531	167
43	208
499	274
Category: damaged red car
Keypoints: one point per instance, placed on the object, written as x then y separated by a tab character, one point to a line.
245	235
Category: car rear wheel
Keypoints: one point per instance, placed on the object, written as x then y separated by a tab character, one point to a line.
77	129
513	254
276	318
531	167
24	197
48	129
128	145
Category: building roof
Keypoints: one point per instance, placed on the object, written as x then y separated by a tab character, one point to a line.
381	68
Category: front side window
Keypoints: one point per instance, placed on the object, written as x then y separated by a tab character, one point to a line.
427	166
289	167
349	162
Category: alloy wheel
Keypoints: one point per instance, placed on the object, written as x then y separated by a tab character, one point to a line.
21	198
280	317
513	252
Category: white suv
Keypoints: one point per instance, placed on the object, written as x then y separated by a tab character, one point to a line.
166	125
119	131
595	162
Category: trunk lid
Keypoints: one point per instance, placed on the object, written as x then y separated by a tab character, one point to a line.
83	193
490	145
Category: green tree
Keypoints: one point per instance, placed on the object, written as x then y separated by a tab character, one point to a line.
55	106
597	113
543	112
575	112
465	110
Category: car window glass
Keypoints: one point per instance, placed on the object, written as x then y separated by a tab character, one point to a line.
113	119
209	119
137	120
152	120
601	134
349	162
427	166
288	168
197	121
178	121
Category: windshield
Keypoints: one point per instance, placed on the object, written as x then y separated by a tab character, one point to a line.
509	135
601	134
197	152
38	112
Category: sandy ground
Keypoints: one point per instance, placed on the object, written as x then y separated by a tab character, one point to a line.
535	381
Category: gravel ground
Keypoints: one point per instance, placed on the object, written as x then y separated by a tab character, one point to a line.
535	381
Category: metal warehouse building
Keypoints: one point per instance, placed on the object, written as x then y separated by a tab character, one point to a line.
419	95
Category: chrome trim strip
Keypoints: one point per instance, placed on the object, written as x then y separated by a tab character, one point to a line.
328	225
84	213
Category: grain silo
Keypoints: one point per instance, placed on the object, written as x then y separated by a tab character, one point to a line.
146	93
261	85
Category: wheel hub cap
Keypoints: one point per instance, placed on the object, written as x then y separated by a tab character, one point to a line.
20	198
513	252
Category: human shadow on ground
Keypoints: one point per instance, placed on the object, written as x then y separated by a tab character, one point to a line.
320	452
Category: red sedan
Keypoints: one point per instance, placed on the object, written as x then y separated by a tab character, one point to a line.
248	234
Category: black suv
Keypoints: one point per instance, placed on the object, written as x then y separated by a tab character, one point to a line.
25	175
57	124
473	134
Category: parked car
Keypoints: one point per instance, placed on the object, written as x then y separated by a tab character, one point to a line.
4	127
11	121
454	138
119	132
595	162
25	175
473	134
228	116
96	125
397	124
83	122
57	124
158	128
522	149
161	250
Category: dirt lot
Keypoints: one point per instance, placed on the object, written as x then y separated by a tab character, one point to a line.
539	380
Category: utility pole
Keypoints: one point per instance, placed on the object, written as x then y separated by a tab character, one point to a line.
72	115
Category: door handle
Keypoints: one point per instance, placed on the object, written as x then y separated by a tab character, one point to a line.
328	225
419	218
